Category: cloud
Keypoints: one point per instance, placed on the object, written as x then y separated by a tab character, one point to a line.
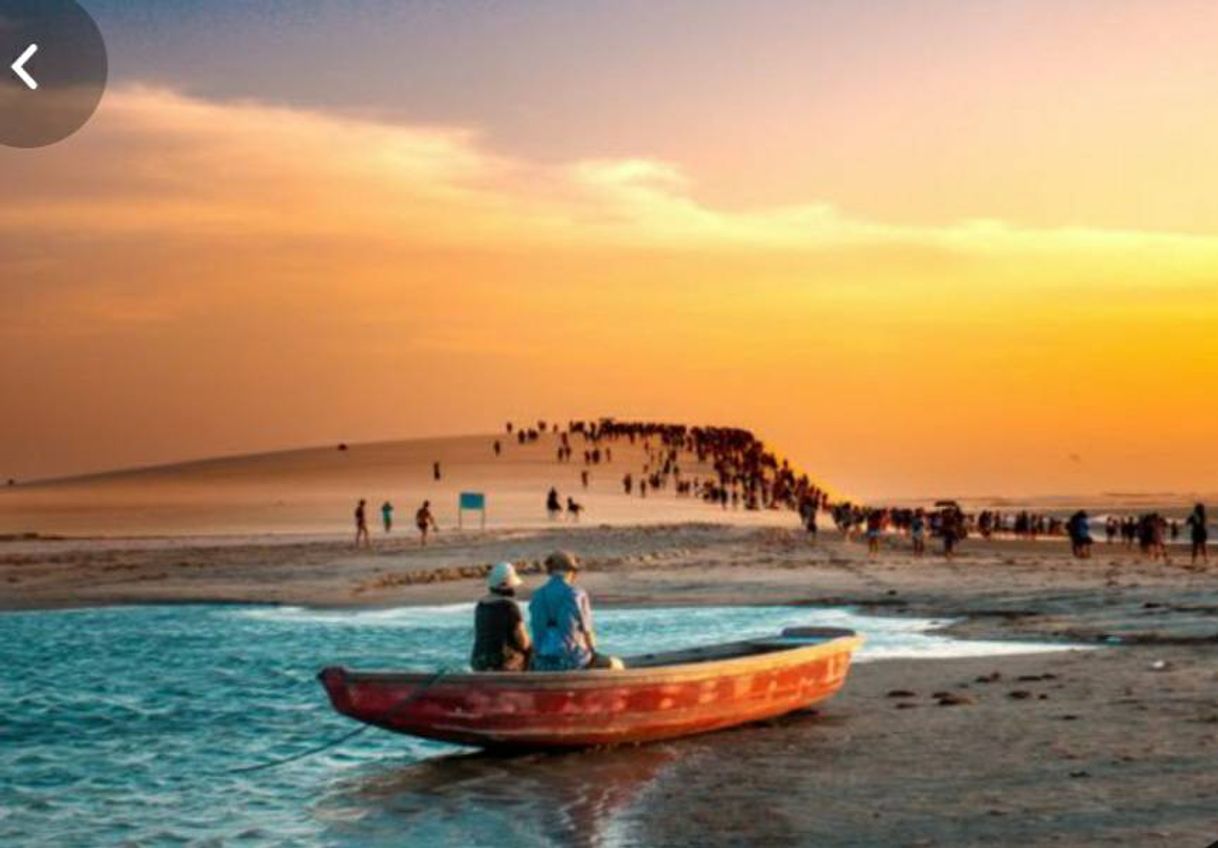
158	163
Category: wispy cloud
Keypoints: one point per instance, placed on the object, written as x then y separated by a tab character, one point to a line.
159	163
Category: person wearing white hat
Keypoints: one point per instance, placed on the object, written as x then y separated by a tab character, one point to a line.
501	641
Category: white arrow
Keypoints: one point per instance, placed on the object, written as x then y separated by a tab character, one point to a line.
19	67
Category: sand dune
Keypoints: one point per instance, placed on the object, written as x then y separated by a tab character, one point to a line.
314	491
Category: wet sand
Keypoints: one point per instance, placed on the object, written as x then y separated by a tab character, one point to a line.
1087	757
1101	747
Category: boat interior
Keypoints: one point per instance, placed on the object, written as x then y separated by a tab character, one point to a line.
792	637
789	639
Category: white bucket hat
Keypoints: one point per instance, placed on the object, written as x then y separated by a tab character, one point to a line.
503	576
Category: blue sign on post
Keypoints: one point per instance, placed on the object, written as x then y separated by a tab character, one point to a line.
472	501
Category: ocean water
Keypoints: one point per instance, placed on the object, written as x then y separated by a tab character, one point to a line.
121	727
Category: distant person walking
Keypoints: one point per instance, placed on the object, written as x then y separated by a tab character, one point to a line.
387	516
1079	530
574	508
426	522
917	532
951	526
875	526
1152	532
362	539
807	515
498	447
553	504
435	471
1199	534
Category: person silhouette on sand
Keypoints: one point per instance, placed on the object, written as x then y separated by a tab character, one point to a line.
426	522
1199	534
362	538
574	508
387	516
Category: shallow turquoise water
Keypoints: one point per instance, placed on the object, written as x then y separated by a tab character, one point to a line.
119	725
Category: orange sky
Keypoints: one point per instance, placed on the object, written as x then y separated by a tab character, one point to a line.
191	276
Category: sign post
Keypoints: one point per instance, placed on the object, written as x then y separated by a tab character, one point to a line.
474	501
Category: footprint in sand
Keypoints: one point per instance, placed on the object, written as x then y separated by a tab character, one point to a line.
955	699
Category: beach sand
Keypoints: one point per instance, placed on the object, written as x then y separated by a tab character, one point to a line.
1108	746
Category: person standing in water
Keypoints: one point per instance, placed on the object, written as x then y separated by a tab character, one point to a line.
1199	534
426	522
387	516
560	616
501	641
435	471
362	539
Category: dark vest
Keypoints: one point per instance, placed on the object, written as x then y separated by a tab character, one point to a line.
496	648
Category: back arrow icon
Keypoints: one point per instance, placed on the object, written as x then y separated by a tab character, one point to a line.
19	67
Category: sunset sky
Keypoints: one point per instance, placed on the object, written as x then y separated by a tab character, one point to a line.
924	248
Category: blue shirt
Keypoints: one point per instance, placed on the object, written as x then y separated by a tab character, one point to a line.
561	619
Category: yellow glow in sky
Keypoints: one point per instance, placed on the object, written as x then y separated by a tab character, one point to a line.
190	277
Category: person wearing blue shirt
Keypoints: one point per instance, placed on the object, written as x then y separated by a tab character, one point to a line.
560	617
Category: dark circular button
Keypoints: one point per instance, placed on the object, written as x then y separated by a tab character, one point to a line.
53	70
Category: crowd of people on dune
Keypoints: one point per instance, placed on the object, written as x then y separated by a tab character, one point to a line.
733	469
743	473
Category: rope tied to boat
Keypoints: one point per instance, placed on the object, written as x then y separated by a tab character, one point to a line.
346	737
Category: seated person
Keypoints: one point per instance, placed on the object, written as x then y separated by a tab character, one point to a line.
561	619
501	642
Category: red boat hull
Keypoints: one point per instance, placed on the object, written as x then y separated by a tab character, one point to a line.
656	697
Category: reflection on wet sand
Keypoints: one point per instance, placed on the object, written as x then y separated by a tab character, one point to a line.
736	787
634	795
578	798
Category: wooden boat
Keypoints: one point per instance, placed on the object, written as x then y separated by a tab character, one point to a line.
657	696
